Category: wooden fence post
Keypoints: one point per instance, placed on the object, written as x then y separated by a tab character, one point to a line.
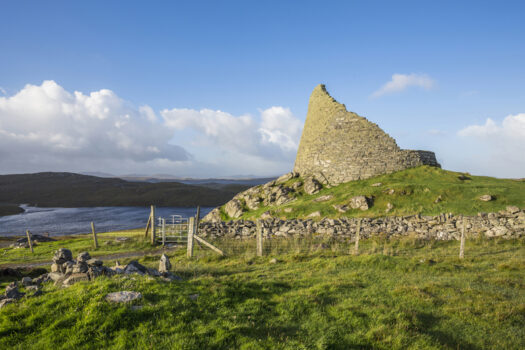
191	228
29	241
259	238
357	232
462	242
163	232
95	241
147	225
152	224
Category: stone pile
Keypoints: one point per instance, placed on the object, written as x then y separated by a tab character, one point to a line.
509	223
65	271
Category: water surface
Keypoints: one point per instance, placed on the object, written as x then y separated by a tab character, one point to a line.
65	221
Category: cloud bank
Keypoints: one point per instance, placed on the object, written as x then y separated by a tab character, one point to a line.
46	128
497	148
401	82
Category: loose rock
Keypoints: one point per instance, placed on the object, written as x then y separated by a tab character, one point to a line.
123	297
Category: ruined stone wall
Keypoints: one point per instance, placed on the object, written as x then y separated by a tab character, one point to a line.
505	224
341	146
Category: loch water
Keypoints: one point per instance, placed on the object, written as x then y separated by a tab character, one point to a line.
66	221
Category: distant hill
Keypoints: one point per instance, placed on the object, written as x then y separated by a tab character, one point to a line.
52	189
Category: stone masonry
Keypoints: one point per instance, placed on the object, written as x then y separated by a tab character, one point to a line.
340	146
507	224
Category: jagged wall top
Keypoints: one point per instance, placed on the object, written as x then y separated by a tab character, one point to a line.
340	146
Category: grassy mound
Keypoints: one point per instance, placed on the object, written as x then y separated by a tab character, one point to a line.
400	294
410	191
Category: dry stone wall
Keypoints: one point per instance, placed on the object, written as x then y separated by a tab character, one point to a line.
509	223
340	146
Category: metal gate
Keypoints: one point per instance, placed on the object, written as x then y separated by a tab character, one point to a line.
173	230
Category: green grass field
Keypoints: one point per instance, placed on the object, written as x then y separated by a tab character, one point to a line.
415	191
108	244
397	294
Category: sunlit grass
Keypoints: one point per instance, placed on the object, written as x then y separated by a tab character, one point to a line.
396	294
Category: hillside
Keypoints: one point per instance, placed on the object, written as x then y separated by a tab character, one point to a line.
74	190
423	190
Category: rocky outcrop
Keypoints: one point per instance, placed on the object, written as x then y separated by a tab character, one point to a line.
340	146
509	223
275	192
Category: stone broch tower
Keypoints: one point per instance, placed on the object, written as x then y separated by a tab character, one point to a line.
338	146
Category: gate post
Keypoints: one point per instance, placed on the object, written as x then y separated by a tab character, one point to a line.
191	231
152	224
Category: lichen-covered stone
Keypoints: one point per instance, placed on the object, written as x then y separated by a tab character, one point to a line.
234	208
342	146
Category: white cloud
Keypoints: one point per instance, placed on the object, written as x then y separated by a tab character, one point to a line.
2	90
276	136
401	82
49	121
46	128
496	148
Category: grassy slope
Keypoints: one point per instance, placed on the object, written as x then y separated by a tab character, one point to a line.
391	296
410	195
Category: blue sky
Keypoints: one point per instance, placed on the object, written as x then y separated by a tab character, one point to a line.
459	64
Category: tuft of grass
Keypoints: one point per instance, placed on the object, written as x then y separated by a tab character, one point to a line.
396	294
415	191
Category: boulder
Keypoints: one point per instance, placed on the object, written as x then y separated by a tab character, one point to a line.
359	202
94	262
80	267
62	255
324	198
83	257
234	208
286	177
512	209
340	208
266	215
27	281
12	292
389	207
486	198
76	277
315	214
377	184
135	267
56	268
164	264
438	199
312	186
288	210
213	216
6	301
123	297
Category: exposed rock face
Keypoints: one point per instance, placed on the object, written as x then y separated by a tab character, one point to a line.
486	198
312	186
234	208
341	146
